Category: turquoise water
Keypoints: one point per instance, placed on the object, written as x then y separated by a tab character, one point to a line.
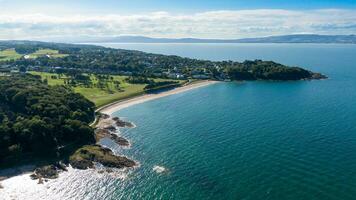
251	140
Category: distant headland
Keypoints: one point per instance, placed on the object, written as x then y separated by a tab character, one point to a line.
295	38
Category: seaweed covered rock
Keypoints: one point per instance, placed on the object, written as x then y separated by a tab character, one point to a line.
122	123
48	172
119	140
81	163
102	133
85	157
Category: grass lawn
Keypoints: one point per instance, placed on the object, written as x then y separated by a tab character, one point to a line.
101	96
9	54
44	52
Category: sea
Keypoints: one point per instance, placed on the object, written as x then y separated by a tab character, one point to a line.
255	140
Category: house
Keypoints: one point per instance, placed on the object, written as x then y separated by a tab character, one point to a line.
180	76
175	76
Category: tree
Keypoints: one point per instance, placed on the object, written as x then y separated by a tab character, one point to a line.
22	69
37	119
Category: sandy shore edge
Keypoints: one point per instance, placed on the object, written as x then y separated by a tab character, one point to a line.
116	106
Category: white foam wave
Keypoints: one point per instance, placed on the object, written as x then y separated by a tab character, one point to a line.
159	169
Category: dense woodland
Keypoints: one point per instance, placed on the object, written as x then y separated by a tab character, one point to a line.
96	59
40	120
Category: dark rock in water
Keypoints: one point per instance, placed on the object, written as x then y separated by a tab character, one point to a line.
110	128
119	162
49	171
81	164
120	140
33	176
318	76
1	187
61	166
121	123
101	133
84	157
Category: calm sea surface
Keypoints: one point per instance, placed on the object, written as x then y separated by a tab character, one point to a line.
250	140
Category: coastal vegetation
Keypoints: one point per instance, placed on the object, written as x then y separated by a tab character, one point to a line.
100	60
39	120
50	122
268	70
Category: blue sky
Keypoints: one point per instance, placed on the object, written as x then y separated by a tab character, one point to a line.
27	19
129	6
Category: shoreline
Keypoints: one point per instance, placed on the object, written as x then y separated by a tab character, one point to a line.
111	108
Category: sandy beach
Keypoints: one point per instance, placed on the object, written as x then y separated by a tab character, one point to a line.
116	106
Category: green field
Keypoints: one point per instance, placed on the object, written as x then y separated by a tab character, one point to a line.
45	52
100	96
9	54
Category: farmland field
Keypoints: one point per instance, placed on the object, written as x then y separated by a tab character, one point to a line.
9	54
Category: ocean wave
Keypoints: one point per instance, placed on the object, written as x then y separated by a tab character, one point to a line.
159	169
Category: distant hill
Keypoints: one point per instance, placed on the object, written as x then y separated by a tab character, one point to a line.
305	38
300	38
143	39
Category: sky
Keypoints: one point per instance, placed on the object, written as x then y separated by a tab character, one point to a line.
221	19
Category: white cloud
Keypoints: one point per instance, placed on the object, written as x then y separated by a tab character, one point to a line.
213	24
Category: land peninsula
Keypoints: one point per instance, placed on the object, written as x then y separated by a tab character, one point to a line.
51	93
